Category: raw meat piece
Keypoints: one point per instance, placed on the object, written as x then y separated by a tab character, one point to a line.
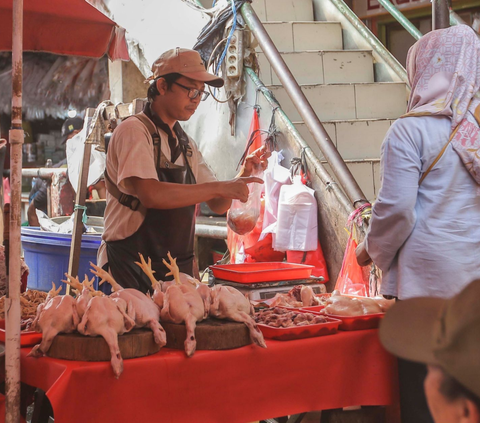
242	221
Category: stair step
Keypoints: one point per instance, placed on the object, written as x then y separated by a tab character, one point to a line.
381	100
367	175
354	139
322	67
284	10
304	36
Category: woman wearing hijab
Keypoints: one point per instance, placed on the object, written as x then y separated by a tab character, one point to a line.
425	228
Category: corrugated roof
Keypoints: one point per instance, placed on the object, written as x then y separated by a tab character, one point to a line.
54	84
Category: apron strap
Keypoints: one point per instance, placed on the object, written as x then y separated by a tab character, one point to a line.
131	201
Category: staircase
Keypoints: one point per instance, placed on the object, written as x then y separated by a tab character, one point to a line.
355	109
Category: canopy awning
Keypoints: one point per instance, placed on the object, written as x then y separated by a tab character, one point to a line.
72	27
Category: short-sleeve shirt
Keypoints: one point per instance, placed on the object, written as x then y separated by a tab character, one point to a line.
131	154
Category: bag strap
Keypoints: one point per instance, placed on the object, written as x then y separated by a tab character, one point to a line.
438	157
130	201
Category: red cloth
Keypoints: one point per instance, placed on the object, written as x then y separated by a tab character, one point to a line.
85	31
239	385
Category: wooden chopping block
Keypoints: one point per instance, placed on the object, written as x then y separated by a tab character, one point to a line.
211	334
74	346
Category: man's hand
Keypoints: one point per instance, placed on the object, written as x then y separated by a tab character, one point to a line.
363	259
258	159
237	188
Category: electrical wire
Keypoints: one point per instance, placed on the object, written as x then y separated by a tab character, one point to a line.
208	67
232	30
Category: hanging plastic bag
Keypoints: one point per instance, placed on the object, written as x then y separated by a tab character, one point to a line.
275	177
297	218
354	279
313	258
242	217
235	242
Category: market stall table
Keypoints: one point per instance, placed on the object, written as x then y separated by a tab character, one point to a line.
240	385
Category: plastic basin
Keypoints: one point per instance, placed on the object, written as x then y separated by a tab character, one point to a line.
47	255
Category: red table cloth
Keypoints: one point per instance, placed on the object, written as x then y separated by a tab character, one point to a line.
240	385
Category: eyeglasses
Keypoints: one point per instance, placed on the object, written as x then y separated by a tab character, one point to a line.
193	92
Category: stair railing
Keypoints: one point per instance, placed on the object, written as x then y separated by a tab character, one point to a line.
400	17
320	135
318	167
368	36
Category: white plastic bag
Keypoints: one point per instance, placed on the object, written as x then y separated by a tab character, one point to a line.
297	218
275	176
75	149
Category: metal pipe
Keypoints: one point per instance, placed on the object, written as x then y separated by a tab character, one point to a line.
12	301
210	231
319	169
379	48
342	173
44	172
440	15
400	17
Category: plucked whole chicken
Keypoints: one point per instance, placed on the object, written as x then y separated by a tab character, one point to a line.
229	303
58	314
109	317
182	302
84	292
147	313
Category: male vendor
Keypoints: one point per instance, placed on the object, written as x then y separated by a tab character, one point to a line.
155	175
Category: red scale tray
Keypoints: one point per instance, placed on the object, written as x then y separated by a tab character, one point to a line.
26	338
261	272
300	332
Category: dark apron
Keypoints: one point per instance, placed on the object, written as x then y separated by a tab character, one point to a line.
162	231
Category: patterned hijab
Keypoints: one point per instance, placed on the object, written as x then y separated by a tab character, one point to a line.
444	72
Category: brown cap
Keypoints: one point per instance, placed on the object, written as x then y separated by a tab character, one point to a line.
441	332
185	62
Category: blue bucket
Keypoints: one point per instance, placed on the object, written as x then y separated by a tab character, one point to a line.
47	255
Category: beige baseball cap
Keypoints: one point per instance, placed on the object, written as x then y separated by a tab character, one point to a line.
441	332
185	62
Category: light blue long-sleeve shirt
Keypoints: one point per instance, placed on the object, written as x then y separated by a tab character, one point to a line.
426	239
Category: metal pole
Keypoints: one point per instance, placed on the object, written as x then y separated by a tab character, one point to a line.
12	301
340	169
400	17
440	14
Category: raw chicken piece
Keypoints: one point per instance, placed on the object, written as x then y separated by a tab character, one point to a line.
229	303
370	306
108	317
298	296
285	300
147	313
183	303
384	303
344	306
56	315
308	296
